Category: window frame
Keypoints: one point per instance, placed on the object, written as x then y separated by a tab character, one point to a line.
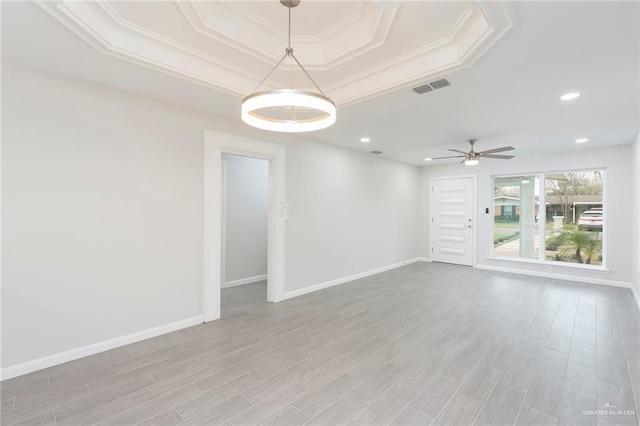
542	218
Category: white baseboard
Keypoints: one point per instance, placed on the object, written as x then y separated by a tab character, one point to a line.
424	259
554	275
51	360
243	281
327	284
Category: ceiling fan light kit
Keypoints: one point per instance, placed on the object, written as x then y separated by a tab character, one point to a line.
471	161
290	99
472	157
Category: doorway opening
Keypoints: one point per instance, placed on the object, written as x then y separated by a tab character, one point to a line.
217	144
245	221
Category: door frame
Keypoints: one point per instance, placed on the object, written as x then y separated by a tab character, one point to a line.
474	214
215	143
223	223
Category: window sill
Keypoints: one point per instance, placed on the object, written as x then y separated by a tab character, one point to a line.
595	268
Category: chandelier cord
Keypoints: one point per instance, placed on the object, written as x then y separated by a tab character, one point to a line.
289	28
271	72
289	52
307	74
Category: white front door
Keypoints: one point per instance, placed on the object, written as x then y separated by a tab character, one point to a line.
452	208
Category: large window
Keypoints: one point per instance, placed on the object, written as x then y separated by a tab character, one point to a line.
556	217
514	216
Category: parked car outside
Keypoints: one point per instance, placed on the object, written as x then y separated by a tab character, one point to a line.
591	219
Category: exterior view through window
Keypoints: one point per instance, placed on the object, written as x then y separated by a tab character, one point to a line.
515	231
556	217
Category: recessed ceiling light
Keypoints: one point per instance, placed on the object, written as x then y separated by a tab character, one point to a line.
570	96
581	140
365	140
428	159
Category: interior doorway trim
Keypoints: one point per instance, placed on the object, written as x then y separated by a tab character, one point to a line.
474	216
215	143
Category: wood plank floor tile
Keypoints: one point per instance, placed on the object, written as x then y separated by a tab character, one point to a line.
265	388
314	402
97	401
391	403
46	418
436	394
581	380
584	335
613	370
168	417
544	394
519	371
575	410
288	417
221	412
277	400
583	354
481	382
341	412
327	374
413	345
502	406
144	411
460	410
201	403
97	413
24	412
531	417
412	417
560	342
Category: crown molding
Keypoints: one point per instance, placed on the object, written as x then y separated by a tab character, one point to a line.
366	30
478	28
101	27
474	33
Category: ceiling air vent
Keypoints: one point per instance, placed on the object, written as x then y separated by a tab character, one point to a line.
438	84
422	89
376	152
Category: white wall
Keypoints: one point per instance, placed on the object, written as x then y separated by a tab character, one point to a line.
635	220
617	161
247	196
102	228
349	214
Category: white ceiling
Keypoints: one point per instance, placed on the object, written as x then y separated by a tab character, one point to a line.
508	64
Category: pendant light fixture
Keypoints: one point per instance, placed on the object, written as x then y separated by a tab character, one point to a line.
297	110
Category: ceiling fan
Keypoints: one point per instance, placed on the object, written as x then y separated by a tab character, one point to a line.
472	157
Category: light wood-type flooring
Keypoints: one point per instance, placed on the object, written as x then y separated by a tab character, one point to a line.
422	344
244	298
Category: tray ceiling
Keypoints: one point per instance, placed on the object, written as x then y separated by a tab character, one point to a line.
355	50
509	96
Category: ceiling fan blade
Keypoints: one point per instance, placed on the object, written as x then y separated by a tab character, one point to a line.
491	151
501	157
457	150
442	158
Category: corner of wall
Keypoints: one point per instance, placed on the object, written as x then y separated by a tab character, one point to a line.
635	284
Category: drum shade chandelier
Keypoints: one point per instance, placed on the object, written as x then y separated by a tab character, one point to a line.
295	103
